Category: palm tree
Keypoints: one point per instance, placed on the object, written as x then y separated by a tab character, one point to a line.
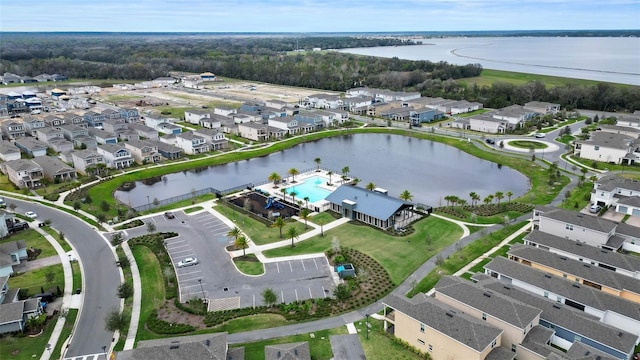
318	161
293	172
279	223
242	243
274	178
293	194
306	200
234	233
488	200
292	232
284	193
472	196
345	171
355	181
406	195
454	200
509	195
448	199
462	202
330	173
499	195
370	186
304	215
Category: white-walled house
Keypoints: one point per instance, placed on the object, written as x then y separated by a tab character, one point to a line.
609	147
619	193
289	124
191	143
194	116
116	156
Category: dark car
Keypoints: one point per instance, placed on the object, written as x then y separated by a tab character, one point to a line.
169	215
490	141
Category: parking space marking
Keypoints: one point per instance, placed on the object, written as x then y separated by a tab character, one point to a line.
296	291
303	268
189	273
315	262
310	295
254	300
182	252
169	248
278	267
324	291
282	296
290	266
173	241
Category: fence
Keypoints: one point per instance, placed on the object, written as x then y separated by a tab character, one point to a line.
155	203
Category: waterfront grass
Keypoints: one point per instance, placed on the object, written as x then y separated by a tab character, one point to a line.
152	288
430	236
489	77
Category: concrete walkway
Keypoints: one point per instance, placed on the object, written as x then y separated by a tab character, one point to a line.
37	263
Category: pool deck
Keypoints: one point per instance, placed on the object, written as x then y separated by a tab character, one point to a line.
287	182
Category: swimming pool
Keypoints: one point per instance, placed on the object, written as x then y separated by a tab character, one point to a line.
310	188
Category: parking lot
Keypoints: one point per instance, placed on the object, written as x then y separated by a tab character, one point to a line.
204	236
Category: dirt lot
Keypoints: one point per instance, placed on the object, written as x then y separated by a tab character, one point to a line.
219	93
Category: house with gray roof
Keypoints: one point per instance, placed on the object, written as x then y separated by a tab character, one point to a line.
31	123
513	318
114	126
627	265
144	151
288	351
253	131
628	120
84	160
610	309
438	329
486	123
14	312
608	147
13	130
589	275
115	156
200	347
143	131
54	169
623	130
346	347
370	207
617	192
168	151
12	253
23	173
8	151
102	136
214	137
541	107
214	121
46	134
570	325
31	146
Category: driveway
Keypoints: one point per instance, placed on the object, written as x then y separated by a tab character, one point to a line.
216	278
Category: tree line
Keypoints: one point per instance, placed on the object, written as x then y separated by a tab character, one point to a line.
273	60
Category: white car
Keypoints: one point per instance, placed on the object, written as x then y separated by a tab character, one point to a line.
31	215
540	135
187	262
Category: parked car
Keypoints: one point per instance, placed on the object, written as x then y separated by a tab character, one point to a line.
31	215
490	141
3	204
595	208
190	261
540	135
169	215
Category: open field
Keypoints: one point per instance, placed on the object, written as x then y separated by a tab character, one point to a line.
488	77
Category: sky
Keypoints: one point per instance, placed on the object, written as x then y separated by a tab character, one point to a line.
316	15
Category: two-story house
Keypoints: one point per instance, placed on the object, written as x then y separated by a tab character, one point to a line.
54	170
143	152
13	130
8	151
31	146
86	161
542	108
74	119
214	121
23	173
15	312
215	138
115	156
194	116
114	126
288	124
33	123
143	131
609	147
103	137
94	119
253	131
52	120
617	192
78	135
190	143
129	115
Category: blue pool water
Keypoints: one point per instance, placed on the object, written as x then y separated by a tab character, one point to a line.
309	188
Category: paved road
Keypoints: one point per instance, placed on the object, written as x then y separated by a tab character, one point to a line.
101	278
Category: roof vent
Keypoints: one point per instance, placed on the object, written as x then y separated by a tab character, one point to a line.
620	333
580	215
547	276
487	294
563	258
587	265
207	342
174	347
507	287
450	313
557	306
578	244
604	251
576	286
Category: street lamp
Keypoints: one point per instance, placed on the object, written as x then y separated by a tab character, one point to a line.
201	289
148	203
367	327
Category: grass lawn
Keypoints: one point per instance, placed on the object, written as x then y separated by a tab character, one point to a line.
252	322
34	240
34	281
565	139
488	77
380	346
479	267
77	275
322	218
579	197
471	218
319	344
257	231
413	249
193	209
248	266
525	144
56	236
24	347
152	287
66	332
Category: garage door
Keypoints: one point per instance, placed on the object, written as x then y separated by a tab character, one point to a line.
622	209
635	212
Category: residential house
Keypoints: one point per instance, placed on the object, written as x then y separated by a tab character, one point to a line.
214	121
462	107
488	124
569	325
253	131
609	147
276	133
111	114
143	152
53	120
144	131
419	116
128	135
516	115
619	193
439	330
74	119
623	130
46	134
611	260
599	278
289	124
60	145
8	151
193	116
609	309
14	312
169	128
209	347
377	109
290	351
225	110
370	207
190	143
32	123
12	253
115	126
86	160
168	151
350	103
155	121
94	119
31	146
513	318
9	78
78	135
54	169
397	114
23	173
115	156
324	101
318	119
440	104
337	116
276	104
215	138
246	116
129	115
103	137
628	120
542	108
13	130
43	77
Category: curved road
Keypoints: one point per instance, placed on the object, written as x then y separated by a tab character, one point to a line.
101	278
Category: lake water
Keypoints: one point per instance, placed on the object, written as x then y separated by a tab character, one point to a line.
611	59
429	170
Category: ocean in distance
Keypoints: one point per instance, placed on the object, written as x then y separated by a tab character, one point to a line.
608	59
